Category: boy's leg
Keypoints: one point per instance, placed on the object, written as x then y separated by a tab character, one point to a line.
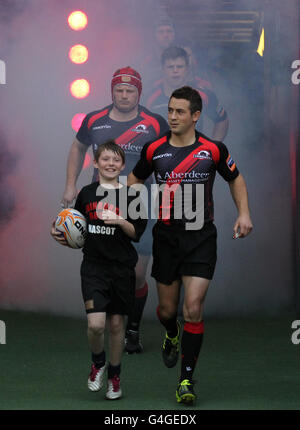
116	346
95	332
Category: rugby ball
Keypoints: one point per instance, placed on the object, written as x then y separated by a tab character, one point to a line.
72	224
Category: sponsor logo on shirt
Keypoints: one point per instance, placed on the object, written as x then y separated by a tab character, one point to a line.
203	155
129	148
100	127
167	154
183	176
141	128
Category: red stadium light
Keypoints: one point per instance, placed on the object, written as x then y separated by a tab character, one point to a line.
77	121
80	88
78	54
77	20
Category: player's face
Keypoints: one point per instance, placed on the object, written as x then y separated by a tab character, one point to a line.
180	118
175	72
125	97
109	165
164	36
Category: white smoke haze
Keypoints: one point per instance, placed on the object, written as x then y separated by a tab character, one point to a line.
253	274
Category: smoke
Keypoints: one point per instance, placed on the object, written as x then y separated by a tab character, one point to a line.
252	274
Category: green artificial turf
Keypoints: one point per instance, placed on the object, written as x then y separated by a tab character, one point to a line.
245	363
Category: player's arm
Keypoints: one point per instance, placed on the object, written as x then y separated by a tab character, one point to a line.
243	224
74	165
132	179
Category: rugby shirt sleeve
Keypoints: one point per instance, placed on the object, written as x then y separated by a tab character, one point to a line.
143	169
83	134
226	165
79	203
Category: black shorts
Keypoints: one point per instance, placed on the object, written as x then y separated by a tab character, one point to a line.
107	287
183	252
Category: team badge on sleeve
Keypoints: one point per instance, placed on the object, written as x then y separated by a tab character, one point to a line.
230	163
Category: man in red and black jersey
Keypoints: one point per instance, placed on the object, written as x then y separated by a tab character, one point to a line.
175	68
131	126
185	162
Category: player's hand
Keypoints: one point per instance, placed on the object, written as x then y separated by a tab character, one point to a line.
110	217
242	227
57	235
69	195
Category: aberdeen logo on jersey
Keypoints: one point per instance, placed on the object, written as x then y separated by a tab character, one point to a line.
203	155
183	176
141	128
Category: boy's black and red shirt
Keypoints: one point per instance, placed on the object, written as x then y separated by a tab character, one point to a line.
179	166
109	242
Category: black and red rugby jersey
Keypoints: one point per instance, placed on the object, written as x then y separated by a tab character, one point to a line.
97	127
193	164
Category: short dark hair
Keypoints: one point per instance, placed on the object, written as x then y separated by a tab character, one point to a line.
174	52
110	145
190	94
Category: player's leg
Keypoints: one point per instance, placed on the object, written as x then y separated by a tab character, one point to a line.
195	289
95	333
168	298
116	343
132	341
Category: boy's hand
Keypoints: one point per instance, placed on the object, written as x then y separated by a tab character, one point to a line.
110	217
57	235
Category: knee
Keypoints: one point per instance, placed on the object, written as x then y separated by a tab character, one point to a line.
192	312
116	325
166	311
96	329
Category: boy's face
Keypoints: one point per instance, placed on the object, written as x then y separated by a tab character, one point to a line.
109	165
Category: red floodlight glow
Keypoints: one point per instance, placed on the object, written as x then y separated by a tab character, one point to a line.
78	54
77	121
80	88
77	20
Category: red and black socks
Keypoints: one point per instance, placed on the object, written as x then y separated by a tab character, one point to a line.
191	342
